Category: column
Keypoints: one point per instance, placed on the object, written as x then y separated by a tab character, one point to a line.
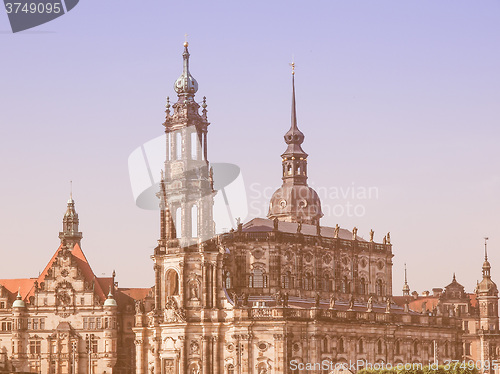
182	356
215	354
205	354
139	356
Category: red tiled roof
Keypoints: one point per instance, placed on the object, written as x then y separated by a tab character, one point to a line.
15	285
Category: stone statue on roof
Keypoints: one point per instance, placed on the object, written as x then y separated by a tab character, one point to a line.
336	232
351	302
371	235
332	301
369	304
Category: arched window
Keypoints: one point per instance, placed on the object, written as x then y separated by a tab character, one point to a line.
446	348
340	347
345	285
258	278
172	285
178	145
362	286
289	169
325	345
360	346
230	369
380	349
397	347
415	348
327	283
178	221
194	221
379	287
308	281
286	280
194	145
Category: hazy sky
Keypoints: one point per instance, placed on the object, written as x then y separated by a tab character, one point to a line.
398	96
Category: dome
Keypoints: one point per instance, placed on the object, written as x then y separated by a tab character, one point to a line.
295	203
110	301
487	286
19	303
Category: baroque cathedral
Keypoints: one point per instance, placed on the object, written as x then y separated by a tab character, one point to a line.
280	294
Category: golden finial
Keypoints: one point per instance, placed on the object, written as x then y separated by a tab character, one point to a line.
186	40
293	67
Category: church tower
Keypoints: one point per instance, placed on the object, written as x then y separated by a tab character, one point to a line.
70	234
487	297
295	201
187	260
186	189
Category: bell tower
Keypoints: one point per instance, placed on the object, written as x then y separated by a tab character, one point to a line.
295	201
70	234
186	190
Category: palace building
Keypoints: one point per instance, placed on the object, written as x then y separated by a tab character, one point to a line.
282	291
67	320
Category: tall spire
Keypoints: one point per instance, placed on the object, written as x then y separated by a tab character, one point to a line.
295	201
406	287
70	234
186	86
486	263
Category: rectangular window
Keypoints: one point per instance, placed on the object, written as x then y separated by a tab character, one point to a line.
42	324
19	347
98	322
85	323
2	304
9	326
91	323
106	323
467	349
4	326
35	347
94	346
194	145
82	300
35	324
29	324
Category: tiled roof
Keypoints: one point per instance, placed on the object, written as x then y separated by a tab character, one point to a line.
15	285
264	224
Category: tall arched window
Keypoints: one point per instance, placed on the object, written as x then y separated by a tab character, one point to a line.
194	145
327	283
172	283
446	348
286	280
178	221
194	221
178	145
379	287
415	348
397	347
340	347
362	286
230	369
345	285
361	347
227	279
308	281
380	349
258	278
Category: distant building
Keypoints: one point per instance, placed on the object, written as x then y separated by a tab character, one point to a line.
67	320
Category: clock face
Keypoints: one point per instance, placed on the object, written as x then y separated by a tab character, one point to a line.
282	203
